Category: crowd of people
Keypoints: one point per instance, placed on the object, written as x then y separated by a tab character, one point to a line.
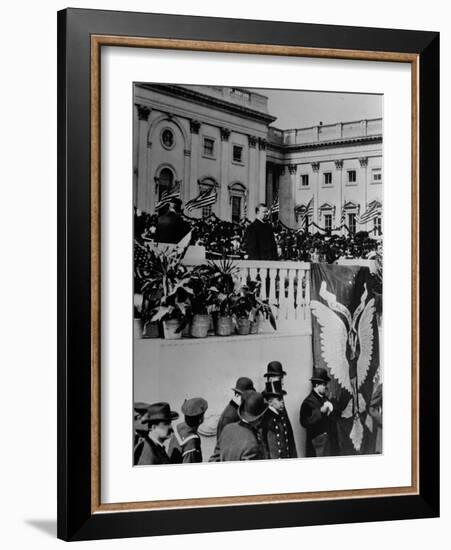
233	239
252	426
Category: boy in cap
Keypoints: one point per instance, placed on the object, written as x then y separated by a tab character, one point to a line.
230	413
184	445
242	440
314	415
159	418
276	428
275	374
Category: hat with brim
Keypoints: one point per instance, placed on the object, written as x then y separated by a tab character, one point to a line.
140	407
243	384
274	368
320	375
273	389
140	428
252	407
159	412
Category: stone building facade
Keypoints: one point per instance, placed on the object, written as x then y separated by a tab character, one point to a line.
200	137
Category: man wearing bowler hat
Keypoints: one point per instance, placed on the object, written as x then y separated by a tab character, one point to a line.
242	440
230	413
315	415
184	445
158	418
276	428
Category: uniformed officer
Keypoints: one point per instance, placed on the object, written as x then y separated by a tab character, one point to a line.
276	428
184	445
159	418
242	440
230	413
275	373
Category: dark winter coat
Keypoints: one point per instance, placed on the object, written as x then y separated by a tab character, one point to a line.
239	441
259	242
317	424
184	445
278	435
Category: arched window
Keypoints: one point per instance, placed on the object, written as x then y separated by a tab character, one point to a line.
237	201
165	182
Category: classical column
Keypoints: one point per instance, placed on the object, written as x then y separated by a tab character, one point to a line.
261	170
315	168
223	206
292	171
339	207
142	198
362	178
286	195
252	177
186	175
194	160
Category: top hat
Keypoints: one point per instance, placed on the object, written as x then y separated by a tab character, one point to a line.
274	368
273	389
252	407
194	407
320	375
159	412
243	384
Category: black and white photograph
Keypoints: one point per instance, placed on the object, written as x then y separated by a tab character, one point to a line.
258	239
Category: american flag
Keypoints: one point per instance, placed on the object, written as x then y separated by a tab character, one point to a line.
374	210
308	211
275	206
167	196
205	198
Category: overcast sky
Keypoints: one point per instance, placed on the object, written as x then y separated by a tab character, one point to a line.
296	109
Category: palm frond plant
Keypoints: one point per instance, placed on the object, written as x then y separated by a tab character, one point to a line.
257	307
166	288
224	277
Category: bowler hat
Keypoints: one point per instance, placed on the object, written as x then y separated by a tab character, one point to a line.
274	368
320	375
252	406
243	384
194	406
159	412
273	389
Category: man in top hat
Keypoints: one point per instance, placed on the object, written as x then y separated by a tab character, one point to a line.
230	413
275	373
158	418
184	445
315	415
242	440
276	428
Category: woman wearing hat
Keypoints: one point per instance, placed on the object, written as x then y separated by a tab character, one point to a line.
158	418
315	415
242	440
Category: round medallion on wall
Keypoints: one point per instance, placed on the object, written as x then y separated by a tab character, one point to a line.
167	138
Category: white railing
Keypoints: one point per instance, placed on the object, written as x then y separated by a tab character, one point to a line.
286	286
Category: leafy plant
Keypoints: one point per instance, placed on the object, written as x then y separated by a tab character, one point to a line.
166	286
224	278
252	306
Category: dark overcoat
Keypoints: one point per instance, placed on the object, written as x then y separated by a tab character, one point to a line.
228	416
259	241
278	435
239	441
149	452
184	445
317	424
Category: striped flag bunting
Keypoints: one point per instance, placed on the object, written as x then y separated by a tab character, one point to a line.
275	206
205	198
308	211
167	196
374	210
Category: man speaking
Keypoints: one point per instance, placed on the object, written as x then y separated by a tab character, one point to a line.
259	240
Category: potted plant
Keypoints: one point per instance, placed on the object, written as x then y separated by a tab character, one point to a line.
260	308
166	291
224	278
203	301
